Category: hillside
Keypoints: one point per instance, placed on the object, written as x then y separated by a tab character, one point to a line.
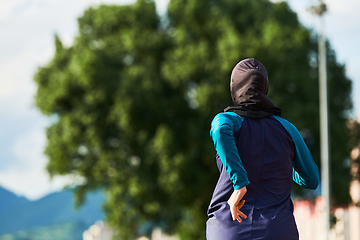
50	212
9	200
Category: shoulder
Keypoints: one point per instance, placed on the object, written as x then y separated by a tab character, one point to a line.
227	116
290	128
284	122
227	119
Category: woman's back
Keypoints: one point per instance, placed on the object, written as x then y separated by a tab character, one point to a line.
266	150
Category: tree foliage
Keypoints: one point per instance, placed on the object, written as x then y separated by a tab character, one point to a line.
134	97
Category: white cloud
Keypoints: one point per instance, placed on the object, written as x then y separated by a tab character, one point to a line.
33	183
14	75
344	8
7	8
27	175
29	147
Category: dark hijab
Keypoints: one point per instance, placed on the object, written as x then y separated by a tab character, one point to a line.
249	87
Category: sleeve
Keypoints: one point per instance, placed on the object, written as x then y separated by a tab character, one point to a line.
223	127
305	171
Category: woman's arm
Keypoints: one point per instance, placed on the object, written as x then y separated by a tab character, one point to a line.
305	171
222	132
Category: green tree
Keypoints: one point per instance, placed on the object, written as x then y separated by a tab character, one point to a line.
134	98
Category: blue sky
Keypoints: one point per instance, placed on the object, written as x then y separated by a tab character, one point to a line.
27	29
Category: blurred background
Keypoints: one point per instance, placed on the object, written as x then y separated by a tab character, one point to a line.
113	100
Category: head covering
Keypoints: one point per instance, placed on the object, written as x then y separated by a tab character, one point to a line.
249	87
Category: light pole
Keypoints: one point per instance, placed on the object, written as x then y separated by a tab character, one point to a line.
324	128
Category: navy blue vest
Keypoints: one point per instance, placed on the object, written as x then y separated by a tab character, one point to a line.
266	150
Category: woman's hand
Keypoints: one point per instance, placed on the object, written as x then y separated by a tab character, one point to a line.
235	204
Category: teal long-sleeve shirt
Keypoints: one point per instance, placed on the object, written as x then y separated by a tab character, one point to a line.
223	128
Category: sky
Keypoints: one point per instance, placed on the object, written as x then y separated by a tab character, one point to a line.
27	29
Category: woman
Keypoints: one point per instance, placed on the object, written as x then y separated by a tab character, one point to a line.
259	154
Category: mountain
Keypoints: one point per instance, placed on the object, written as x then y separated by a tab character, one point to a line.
65	231
18	213
9	200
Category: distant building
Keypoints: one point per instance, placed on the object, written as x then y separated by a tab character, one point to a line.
309	218
98	231
157	234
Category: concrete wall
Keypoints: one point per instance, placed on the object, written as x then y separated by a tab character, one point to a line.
308	216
